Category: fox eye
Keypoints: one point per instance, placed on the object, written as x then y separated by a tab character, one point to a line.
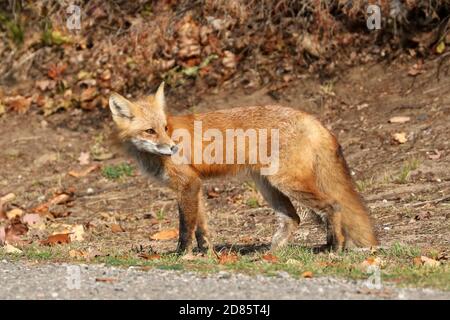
166	128
150	131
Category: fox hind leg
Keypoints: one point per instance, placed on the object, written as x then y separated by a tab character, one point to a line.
285	210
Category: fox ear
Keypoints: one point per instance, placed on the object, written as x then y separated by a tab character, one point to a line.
160	100
120	107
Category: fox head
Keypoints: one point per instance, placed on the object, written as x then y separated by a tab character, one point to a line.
143	122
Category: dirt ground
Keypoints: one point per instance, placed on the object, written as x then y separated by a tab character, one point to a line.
406	186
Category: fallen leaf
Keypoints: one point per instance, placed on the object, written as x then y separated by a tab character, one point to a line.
307	274
78	254
7	198
3	201
428	262
18	103
167	234
225	258
82	173
42	208
89	94
416	69
14	213
106	280
55	71
60	199
422	215
400	137
77	233
417	261
152	256
83	159
14	231
34	221
440	48
115	228
212	194
399	119
45	84
434	156
11	249
61	238
270	258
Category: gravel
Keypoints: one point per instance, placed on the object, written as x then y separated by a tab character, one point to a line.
19	280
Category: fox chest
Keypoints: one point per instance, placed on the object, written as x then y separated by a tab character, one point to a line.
150	164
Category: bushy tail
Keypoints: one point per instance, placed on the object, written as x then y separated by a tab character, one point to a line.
335	181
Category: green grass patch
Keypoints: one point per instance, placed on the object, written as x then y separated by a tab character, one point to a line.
406	169
114	172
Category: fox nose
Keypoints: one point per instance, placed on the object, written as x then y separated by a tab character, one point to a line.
174	149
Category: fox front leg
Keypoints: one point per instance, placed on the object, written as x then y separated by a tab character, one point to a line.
188	208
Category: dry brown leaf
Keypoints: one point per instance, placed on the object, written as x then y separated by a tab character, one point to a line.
82	173
422	215
55	71
115	228
212	194
417	261
416	69
225	258
77	233
270	258
14	231
400	137
7	198
307	274
434	156
62	238
60	199
41	209
89	94
152	256
34	221
14	213
428	262
77	254
167	234
3	201
229	60
19	103
11	249
83	159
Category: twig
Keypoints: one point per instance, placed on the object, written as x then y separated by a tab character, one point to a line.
434	201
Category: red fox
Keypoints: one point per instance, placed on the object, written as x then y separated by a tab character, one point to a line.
309	165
